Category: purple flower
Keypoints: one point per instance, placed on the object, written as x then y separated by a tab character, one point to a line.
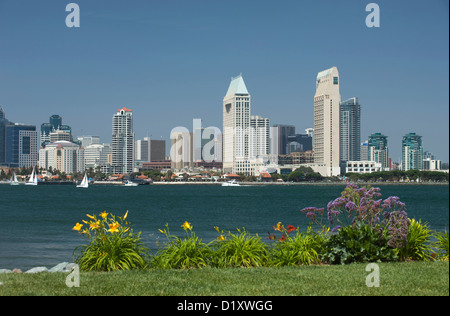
351	206
311	216
332	214
335	229
337	203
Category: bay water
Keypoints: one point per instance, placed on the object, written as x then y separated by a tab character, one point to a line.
36	221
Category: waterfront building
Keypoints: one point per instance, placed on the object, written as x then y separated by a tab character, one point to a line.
97	155
62	155
378	150
21	145
365	150
85	141
148	150
122	141
327	121
3	123
299	143
412	152
362	167
236	126
350	130
60	135
431	164
259	136
64	132
181	150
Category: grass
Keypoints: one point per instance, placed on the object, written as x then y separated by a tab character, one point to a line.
406	278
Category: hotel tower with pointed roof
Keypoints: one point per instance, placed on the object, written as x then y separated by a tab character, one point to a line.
236	126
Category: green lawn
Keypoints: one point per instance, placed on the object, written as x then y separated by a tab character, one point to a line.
407	278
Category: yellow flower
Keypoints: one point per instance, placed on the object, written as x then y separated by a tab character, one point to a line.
221	237
104	215
187	226
279	227
95	225
90	216
114	227
77	227
125	216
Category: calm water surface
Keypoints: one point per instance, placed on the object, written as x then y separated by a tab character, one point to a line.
36	222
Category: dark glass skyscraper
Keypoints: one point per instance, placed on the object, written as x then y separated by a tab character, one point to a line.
21	145
54	125
3	123
378	149
412	152
350	130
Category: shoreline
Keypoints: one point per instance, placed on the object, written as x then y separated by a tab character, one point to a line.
116	183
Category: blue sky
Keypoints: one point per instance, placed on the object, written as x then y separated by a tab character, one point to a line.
172	61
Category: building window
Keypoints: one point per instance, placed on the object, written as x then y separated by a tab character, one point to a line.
335	80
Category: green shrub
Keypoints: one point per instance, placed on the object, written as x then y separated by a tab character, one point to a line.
179	253
111	245
442	245
302	249
239	250
358	243
418	243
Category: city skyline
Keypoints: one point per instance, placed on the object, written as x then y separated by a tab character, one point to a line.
171	68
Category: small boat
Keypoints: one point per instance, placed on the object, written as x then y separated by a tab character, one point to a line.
84	183
232	183
129	183
14	180
33	179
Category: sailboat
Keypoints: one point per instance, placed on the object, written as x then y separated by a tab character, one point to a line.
84	183
33	179
13	180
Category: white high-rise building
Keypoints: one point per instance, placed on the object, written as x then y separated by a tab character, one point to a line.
236	128
326	121
260	136
122	141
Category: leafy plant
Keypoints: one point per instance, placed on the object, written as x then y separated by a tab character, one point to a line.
358	243
361	208
441	245
302	249
418	244
110	245
186	253
239	250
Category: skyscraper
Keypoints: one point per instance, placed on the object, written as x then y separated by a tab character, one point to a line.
55	126
122	141
236	127
283	133
326	121
378	149
3	123
21	144
260	136
18	143
412	152
350	130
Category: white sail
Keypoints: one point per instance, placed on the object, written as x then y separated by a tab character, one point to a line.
33	179
84	183
14	180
